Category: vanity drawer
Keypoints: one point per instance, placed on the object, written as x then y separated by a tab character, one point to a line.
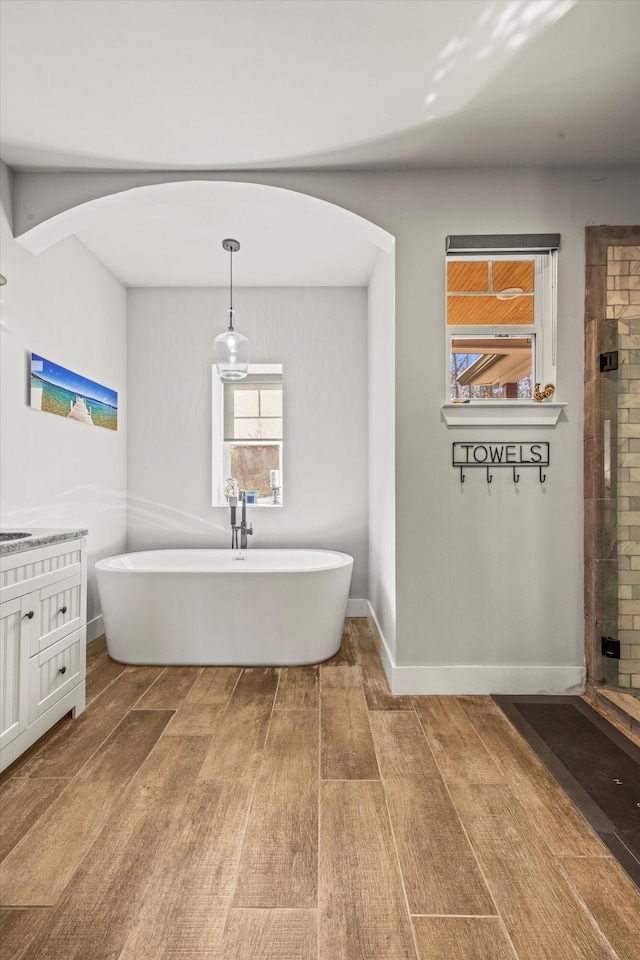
60	609
29	570
54	672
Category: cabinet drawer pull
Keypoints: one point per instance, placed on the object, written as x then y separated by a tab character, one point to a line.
62	670
62	610
30	615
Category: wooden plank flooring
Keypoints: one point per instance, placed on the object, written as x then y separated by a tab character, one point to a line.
38	868
347	751
296	814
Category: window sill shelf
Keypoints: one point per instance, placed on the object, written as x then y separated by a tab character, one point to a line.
494	413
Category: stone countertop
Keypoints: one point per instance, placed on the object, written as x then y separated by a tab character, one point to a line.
37	538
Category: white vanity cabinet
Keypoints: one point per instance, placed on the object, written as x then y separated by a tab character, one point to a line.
42	641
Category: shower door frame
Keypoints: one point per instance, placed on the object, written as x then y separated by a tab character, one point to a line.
600	407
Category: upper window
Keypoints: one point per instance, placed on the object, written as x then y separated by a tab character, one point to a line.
248	436
500	317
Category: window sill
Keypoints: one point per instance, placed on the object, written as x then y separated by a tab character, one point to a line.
493	413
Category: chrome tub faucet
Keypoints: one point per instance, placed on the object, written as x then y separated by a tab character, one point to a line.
241	528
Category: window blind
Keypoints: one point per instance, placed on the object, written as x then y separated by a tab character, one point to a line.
503	243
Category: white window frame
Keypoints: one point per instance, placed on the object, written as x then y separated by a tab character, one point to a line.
221	448
543	330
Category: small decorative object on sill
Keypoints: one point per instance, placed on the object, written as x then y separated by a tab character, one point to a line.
541	395
274	483
230	488
460	401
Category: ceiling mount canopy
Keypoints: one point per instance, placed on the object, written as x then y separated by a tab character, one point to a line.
231	349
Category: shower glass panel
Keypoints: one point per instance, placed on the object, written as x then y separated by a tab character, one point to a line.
623	268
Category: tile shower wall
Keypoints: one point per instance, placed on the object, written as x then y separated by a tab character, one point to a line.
623	305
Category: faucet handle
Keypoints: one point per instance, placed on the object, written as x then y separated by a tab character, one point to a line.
249	529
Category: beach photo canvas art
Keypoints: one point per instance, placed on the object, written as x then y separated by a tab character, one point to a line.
55	389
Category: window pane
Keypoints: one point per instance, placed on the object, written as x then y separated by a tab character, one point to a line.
512	274
271	402
472	276
258	428
491	368
251	465
246	403
488	310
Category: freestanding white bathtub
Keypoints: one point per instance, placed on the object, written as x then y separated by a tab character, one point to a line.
247	608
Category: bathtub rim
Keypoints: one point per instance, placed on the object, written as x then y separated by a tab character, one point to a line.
104	565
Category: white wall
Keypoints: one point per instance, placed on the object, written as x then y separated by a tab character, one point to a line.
487	578
382	438
54	472
320	336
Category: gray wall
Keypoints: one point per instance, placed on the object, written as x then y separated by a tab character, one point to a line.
65	306
485	575
320	336
382	439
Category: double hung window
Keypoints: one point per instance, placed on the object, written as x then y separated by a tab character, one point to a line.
252	434
500	316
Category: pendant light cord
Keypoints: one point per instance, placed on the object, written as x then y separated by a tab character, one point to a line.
230	289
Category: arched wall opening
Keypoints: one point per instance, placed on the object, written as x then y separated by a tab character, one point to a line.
166	318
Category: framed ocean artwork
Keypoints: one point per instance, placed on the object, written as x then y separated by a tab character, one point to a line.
55	389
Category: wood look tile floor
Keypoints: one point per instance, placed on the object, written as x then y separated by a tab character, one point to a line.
296	814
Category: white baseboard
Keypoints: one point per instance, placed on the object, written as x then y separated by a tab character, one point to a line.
386	656
95	628
357	608
465	680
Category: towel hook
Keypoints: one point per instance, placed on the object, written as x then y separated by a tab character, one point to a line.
489	476
516	476
542	478
461	476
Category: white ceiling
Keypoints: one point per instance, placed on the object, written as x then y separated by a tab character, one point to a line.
285	240
249	84
214	84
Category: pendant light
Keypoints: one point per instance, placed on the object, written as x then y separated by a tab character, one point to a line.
231	349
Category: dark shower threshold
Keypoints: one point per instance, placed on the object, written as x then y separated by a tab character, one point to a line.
596	766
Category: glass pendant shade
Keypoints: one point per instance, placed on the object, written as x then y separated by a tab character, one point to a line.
231	349
231	355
